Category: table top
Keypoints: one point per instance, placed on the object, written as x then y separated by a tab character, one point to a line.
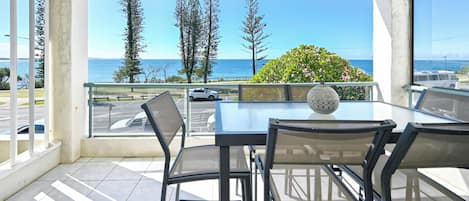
236	120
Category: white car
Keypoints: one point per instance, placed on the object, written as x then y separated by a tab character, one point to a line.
23	128
137	122
203	94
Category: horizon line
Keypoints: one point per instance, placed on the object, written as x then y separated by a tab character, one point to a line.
215	59
417	59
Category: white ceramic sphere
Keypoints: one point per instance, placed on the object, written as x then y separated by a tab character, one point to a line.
323	99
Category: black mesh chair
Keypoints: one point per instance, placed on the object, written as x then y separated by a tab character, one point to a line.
428	146
453	103
191	163
299	92
261	93
308	144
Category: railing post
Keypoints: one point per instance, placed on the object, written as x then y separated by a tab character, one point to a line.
32	81
367	91
188	111
90	111
13	80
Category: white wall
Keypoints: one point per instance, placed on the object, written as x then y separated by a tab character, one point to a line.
392	48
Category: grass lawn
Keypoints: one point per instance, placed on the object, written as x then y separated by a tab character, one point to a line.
37	102
23	93
111	91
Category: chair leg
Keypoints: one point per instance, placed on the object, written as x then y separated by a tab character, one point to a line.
367	174
178	189
243	189
237	187
329	188
290	181
164	186
317	184
408	188
255	183
266	184
417	189
247	189
386	185
286	182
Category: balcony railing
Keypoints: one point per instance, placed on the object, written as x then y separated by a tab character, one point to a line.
114	109
414	93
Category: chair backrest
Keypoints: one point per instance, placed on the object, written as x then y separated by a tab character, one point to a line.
165	119
298	92
453	103
263	92
432	145
317	142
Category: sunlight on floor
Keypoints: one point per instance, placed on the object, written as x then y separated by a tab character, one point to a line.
113	179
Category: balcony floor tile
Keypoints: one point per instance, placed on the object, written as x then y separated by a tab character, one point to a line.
107	179
35	191
94	171
118	190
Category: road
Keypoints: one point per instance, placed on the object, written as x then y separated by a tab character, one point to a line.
105	115
22	114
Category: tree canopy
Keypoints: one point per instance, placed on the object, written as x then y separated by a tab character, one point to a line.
308	63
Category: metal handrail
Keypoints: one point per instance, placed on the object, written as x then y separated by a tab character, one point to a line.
411	89
208	85
187	86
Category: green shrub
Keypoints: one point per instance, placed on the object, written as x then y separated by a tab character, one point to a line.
175	78
464	69
308	63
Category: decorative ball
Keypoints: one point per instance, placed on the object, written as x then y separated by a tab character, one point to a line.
323	99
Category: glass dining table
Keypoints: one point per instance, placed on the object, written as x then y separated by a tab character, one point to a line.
246	123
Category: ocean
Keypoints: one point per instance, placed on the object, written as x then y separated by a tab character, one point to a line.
101	70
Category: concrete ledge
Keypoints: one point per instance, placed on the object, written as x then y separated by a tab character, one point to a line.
134	146
27	169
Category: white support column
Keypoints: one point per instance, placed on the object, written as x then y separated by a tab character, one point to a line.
392	48
69	69
32	82
13	91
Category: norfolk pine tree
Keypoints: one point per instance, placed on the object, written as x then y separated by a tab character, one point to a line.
189	22
211	37
133	11
40	41
253	28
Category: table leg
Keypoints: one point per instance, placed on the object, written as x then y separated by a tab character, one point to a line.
224	186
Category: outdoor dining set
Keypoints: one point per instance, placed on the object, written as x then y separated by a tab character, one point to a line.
365	150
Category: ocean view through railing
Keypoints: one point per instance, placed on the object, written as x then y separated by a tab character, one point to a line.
114	108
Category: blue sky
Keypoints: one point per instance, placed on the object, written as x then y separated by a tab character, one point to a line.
342	26
441	29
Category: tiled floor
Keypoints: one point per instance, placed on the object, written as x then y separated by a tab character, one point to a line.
110	179
139	179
